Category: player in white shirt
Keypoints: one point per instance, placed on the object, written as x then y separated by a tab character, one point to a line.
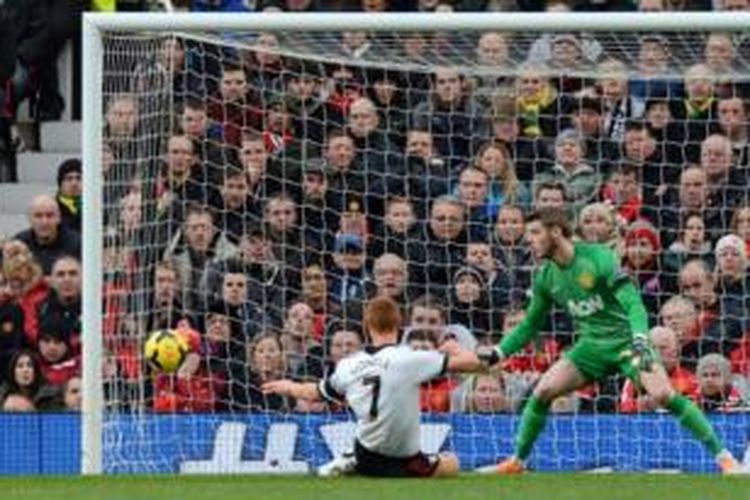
381	385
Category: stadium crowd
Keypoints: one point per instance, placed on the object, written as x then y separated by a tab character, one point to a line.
256	200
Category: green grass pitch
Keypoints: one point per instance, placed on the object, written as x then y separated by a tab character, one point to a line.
529	486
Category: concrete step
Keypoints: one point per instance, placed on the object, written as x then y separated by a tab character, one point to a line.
15	198
41	167
12	224
60	136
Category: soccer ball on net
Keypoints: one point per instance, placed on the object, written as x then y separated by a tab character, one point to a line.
165	350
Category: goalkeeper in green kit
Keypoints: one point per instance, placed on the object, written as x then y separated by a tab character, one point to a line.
612	335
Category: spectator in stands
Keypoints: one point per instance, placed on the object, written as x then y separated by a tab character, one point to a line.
27	285
680	315
11	325
653	69
315	294
727	184
588	122
733	122
731	270
387	93
512	254
304	354
25	378
582	182
720	318
72	394
266	175
525	152
720	55
740	225
305	102
479	255
348	276
550	195
390	278
692	196
400	226
598	224
470	303
69	191
57	360
642	259
390	274
122	133
278	135
542	111
194	123
485	394
492	53
683	381
691	243
291	244
716	390
494	159
60	313
343	340
428	312
660	122
344	171
434	259
473	191
619	106
234	296
236	108
162	80
624	191
695	117
426	173
265	65
451	115
265	357
48	238
370	141
234	205
641	149
166	308
193	249
346	88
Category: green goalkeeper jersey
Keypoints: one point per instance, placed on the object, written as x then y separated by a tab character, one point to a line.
602	301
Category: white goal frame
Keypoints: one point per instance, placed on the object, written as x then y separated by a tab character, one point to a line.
95	25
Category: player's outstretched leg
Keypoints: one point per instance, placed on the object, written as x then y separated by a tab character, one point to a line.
657	385
562	378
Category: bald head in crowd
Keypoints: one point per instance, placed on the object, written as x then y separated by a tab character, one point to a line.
44	217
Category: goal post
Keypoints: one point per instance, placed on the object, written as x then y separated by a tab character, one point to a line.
218	28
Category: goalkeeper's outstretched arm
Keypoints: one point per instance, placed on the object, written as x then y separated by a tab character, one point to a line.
630	300
528	329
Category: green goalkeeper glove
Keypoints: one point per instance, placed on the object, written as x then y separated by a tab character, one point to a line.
643	355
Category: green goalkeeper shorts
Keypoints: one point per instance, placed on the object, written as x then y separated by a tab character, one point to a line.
596	359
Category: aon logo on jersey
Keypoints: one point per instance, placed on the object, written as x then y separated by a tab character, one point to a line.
587	307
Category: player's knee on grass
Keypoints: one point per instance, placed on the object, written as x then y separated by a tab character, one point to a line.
448	465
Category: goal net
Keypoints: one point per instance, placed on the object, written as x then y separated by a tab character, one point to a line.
260	186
